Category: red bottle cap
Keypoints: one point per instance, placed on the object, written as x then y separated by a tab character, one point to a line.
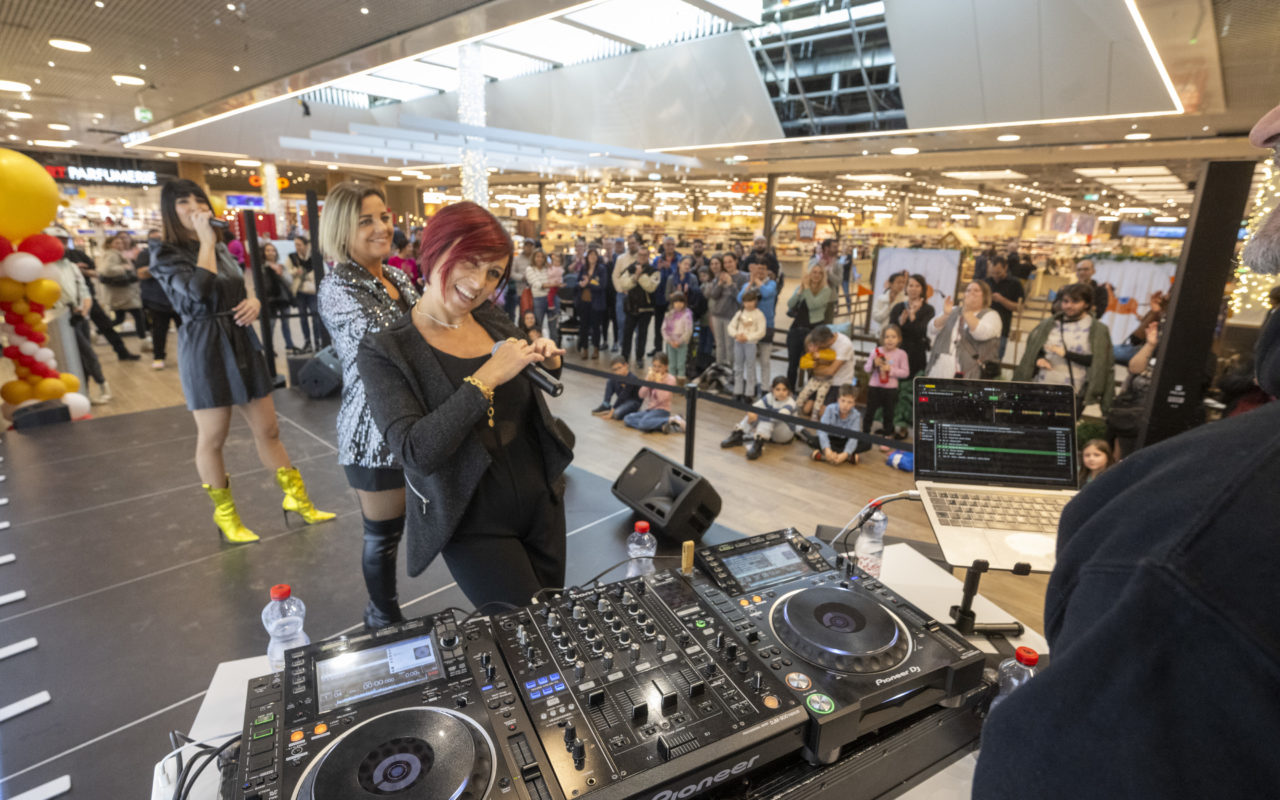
1025	655
281	591
642	527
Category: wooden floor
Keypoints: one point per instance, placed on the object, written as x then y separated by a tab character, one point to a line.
783	488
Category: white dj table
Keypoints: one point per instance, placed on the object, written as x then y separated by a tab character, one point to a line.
910	575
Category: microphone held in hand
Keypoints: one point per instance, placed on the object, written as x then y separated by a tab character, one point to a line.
220	224
538	377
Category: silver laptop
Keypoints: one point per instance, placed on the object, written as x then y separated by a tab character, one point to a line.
995	462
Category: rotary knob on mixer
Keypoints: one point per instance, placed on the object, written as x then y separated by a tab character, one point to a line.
602	604
579	669
635	652
660	643
650	629
608	659
553	619
578	611
731	651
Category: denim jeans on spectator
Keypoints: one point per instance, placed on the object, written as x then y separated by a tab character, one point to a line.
650	420
745	379
551	313
626	408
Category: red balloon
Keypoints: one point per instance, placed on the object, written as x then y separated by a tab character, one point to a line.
28	362
37	337
24	330
36	307
12	351
42	246
6	247
13	318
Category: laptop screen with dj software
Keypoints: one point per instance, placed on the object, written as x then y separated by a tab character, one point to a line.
995	432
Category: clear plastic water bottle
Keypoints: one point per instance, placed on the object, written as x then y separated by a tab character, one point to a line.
1016	671
869	548
283	618
641	546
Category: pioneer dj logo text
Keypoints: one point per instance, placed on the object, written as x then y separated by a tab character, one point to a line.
707	782
912	670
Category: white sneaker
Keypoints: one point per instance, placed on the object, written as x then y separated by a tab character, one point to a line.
157	363
677	422
104	396
146	345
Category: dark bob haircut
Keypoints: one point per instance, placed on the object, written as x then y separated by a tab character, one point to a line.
1079	292
475	236
173	191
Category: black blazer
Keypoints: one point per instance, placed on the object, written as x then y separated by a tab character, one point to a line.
429	426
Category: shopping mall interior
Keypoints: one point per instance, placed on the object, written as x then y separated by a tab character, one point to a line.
870	138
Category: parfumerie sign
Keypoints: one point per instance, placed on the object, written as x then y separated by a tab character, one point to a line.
137	177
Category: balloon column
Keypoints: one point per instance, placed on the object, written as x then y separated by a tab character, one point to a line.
28	287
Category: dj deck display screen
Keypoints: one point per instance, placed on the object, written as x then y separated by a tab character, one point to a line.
1013	434
351	677
761	567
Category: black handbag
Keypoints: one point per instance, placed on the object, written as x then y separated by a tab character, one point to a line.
988	369
800	313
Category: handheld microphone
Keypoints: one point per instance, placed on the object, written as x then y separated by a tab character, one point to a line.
538	376
220	224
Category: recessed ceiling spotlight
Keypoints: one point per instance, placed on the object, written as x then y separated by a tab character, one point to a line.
1137	137
142	67
247	162
50	63
905	151
231	6
55	142
394	178
70	45
740	158
128	80
58	126
99	3
333	166
171	153
1008	137
364	11
18	115
235	68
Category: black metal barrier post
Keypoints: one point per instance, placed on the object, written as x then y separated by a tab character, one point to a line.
691	421
250	227
321	333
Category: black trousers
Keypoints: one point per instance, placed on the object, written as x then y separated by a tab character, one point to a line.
509	561
88	358
659	314
635	323
881	399
589	322
103	323
160	317
139	320
795	349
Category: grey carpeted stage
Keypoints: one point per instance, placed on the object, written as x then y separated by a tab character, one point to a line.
134	599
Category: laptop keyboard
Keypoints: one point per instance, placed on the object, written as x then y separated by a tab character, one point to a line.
998	510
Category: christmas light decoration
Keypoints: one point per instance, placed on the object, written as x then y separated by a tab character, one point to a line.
471	111
1253	288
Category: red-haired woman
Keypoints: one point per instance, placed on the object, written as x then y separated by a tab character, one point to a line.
483	459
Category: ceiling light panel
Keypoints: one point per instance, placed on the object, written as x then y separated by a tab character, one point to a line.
381	87
875	178
652	23
437	77
1100	172
985	175
555	41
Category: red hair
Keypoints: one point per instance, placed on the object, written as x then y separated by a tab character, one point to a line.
475	235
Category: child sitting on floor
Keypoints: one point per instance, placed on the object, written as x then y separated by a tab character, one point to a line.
620	398
655	410
759	429
841	414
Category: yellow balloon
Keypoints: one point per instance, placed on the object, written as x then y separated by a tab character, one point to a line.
10	290
70	381
20	307
31	318
32	380
22	372
44	291
50	389
40	327
15	392
28	196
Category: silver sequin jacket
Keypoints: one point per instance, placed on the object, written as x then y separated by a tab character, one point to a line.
352	303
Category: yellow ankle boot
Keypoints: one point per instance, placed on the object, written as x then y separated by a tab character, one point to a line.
226	517
295	497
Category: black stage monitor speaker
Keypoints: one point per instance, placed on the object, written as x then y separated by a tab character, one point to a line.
678	502
322	375
38	414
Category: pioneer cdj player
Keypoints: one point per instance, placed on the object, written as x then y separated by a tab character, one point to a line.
662	687
423	709
856	654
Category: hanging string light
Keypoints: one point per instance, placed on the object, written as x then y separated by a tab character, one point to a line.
1252	288
471	111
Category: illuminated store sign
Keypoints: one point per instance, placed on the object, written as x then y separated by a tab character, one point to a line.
135	177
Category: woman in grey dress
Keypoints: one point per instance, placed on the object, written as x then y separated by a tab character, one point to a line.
220	357
360	295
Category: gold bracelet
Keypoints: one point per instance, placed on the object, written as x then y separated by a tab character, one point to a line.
484	390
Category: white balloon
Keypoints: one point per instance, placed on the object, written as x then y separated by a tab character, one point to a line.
49	271
22	267
76	403
29	348
30	402
43	354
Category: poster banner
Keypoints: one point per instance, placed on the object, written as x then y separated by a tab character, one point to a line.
941	268
1131	284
